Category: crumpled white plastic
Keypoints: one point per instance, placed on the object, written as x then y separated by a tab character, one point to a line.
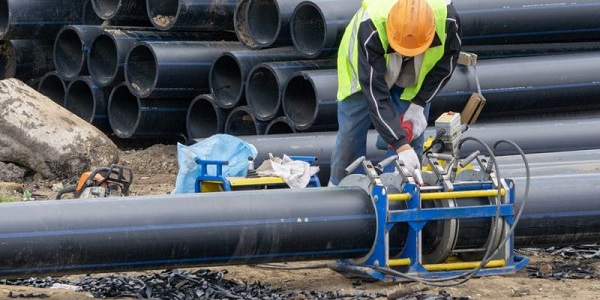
295	173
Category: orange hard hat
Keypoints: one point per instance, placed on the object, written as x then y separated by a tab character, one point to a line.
410	27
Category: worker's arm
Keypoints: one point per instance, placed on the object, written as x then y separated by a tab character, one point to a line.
371	72
437	78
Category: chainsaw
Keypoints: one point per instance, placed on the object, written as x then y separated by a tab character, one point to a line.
113	181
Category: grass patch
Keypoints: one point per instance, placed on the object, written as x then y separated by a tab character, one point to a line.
6	199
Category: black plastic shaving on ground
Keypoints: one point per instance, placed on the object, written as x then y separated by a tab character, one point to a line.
200	284
560	270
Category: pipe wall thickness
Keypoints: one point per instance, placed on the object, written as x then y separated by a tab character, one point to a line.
71	47
241	121
112	234
32	19
191	15
205	118
158	69
25	59
132	117
309	102
229	72
53	87
317	26
88	101
266	83
109	50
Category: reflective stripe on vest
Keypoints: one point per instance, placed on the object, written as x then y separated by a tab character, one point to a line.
377	11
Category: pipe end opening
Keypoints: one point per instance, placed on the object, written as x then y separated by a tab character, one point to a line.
202	119
103	62
265	29
141	71
163	13
300	102
308	29
226	81
123	112
4	18
240	122
79	99
262	93
280	126
8	60
53	87
69	56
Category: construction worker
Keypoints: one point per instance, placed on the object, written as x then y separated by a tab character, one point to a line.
394	57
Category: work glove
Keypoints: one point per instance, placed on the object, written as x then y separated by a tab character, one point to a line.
414	114
410	160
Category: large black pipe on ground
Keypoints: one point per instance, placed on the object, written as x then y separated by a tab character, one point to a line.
229	72
25	59
264	23
317	26
309	102
540	49
248	227
27	19
528	21
108	52
205	118
71	47
132	117
265	103
159	69
53	87
122	11
191	15
567	134
240	121
88	101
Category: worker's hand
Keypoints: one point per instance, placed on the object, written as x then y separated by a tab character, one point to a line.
414	114
408	156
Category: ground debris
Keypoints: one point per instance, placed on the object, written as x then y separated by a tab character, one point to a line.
563	270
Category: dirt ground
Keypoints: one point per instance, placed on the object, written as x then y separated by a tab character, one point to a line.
155	170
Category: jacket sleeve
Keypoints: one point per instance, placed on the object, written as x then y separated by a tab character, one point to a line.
371	72
437	78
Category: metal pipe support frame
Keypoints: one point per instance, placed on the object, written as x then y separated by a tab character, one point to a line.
412	261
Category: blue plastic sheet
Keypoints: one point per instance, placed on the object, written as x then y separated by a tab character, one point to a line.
222	147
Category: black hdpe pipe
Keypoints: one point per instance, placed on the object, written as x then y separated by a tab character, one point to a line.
132	117
108	52
515	50
280	125
317	26
264	23
88	101
240	121
525	85
21	19
309	102
89	16
528	21
119	234
568	134
122	11
191	15
158	69
266	82
247	227
229	72
204	118
25	59
71	46
53	87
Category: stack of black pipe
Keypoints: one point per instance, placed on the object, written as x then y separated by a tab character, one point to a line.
152	68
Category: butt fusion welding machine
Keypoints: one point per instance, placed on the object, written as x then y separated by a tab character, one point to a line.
453	219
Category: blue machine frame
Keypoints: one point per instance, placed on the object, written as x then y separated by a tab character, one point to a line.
410	260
